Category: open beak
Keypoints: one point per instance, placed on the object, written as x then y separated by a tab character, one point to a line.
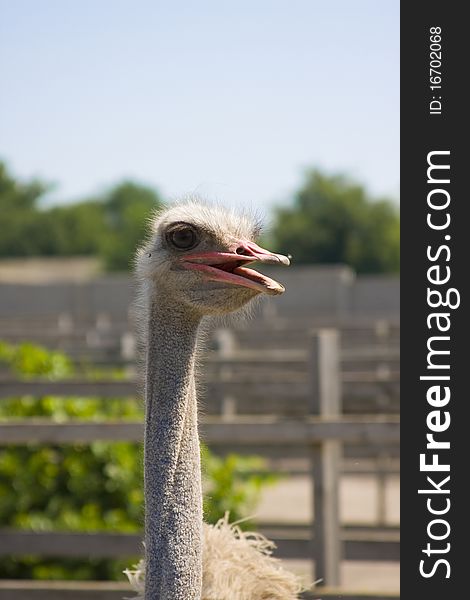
229	267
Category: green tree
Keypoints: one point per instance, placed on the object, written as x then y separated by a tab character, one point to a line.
18	214
126	211
110	225
76	229
333	220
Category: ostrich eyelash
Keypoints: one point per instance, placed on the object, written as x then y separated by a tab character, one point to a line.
257	231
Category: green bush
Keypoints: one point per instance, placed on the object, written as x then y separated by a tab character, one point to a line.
32	360
233	483
97	486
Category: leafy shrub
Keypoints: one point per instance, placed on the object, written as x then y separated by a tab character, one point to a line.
233	483
28	359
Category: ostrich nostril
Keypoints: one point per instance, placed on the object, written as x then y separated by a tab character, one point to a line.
241	250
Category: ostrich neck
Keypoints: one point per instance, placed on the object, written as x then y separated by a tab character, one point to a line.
173	496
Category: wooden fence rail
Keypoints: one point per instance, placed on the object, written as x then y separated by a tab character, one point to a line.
321	433
360	543
214	430
107	590
252	392
101	339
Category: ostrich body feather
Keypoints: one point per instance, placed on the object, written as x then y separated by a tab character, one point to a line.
237	565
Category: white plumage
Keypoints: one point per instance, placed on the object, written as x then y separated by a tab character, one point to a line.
237	565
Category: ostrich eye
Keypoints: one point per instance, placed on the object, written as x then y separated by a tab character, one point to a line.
183	238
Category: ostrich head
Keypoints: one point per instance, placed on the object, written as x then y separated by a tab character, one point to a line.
198	256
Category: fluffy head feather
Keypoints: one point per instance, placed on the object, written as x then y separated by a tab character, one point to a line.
197	257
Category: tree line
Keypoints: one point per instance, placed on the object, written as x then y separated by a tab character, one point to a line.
330	219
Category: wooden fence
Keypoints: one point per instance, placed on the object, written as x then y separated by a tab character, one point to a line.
319	432
103	339
107	590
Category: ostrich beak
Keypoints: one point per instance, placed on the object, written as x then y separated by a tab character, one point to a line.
229	267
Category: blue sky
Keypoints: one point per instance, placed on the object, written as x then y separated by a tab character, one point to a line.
231	99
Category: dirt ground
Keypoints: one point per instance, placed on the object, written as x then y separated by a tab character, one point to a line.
358	505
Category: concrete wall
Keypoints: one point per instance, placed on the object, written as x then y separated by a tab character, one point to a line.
323	291
310	292
111	295
48	269
375	295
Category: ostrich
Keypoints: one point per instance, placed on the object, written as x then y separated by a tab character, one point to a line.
194	266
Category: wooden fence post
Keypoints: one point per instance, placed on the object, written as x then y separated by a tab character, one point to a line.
326	457
226	347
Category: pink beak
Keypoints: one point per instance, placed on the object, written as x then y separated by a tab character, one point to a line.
229	266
